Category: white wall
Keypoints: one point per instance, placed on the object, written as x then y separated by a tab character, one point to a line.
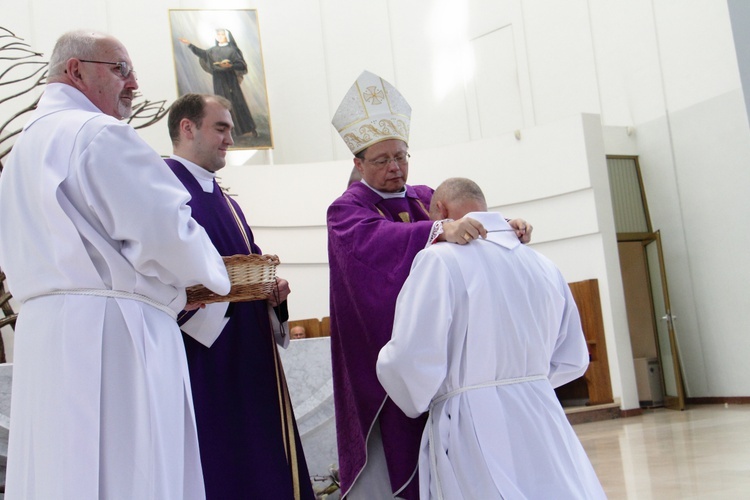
474	71
679	88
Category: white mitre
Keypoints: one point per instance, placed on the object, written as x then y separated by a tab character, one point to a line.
372	111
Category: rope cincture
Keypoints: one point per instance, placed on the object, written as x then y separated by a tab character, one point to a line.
444	397
115	294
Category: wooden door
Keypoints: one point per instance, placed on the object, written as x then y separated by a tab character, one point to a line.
586	295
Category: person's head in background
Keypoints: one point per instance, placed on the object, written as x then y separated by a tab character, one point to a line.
99	66
455	198
298	332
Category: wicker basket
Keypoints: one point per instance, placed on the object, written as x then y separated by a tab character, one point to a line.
253	277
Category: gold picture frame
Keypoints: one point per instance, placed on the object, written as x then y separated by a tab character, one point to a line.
219	52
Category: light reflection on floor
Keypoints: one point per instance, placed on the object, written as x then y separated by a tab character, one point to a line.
702	452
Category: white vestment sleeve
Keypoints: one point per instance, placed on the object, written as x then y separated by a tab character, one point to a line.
158	240
412	366
570	356
280	330
206	324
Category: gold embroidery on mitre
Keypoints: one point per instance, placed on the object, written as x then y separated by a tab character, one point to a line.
404	216
398	128
369	134
376	105
373	95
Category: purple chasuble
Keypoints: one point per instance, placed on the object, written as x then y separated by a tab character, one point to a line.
240	419
371	245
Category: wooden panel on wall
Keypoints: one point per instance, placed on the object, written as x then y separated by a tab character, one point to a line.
586	295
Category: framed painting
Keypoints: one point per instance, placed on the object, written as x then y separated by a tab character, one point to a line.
219	52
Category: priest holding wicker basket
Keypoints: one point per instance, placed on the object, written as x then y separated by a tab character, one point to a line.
249	443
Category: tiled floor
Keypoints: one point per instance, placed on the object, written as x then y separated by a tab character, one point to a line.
700	453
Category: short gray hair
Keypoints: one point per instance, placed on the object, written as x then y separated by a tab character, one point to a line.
81	44
458	190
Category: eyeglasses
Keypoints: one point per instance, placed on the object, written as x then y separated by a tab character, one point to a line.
401	161
122	66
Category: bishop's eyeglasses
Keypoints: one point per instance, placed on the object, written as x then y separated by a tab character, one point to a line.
121	66
401	161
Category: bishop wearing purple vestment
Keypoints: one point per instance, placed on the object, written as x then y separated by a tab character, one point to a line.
375	229
249	443
370	247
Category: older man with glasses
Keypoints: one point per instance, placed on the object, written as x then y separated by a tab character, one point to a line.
97	242
375	229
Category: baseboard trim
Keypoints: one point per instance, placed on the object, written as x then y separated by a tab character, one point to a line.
633	412
733	400
593	414
585	414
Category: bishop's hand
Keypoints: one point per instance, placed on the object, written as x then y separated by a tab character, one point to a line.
462	231
523	229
